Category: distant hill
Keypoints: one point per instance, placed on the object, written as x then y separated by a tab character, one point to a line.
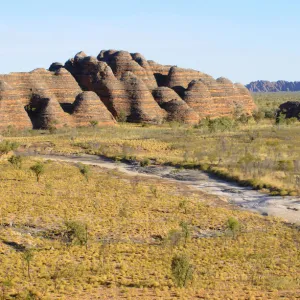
278	86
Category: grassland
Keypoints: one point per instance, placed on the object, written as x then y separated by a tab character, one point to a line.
269	102
263	155
132	233
95	234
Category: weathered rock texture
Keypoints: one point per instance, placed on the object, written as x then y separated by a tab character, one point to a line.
88	108
290	109
41	99
116	84
12	111
275	86
177	109
123	84
123	81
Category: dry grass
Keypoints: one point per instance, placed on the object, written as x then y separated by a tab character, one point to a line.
128	255
263	155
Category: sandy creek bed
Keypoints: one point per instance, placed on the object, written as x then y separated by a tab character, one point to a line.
287	207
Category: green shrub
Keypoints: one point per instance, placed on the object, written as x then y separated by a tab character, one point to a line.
145	162
258	115
182	270
16	161
38	170
76	233
186	233
7	146
234	226
94	123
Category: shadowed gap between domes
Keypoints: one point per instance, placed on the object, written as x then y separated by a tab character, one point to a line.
67	107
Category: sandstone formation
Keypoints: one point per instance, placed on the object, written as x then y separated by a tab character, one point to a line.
263	86
116	84
199	98
39	99
122	61
160	72
244	99
125	92
290	109
177	109
89	108
12	111
143	108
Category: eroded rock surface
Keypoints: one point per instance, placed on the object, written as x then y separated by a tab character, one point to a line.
40	99
116	84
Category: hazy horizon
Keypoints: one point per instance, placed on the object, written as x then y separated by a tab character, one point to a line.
241	41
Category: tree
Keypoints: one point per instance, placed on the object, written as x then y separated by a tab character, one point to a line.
234	226
182	270
16	161
185	232
38	169
28	257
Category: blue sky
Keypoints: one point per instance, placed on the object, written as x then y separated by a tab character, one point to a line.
241	40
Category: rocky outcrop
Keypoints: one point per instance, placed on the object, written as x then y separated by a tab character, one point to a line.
40	99
199	98
45	111
290	109
12	111
123	81
124	93
89	109
244	99
116	84
143	108
122	61
177	109
179	78
60	84
160	72
263	86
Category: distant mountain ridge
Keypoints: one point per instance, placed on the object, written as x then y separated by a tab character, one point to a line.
275	86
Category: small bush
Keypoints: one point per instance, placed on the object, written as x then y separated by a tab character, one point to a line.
145	162
234	226
182	270
84	170
7	146
16	161
38	170
94	123
76	233
258	115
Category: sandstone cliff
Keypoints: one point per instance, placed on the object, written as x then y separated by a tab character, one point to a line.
115	84
278	86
